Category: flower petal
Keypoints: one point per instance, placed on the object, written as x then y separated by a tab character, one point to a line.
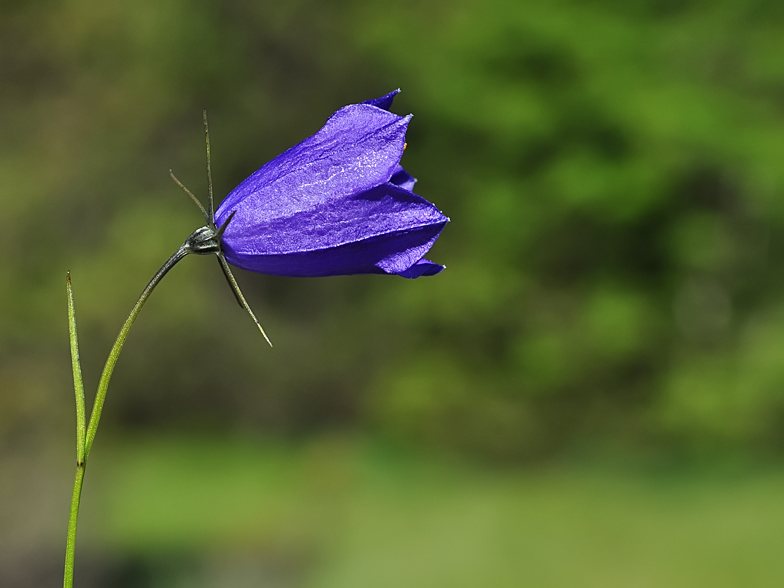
358	148
423	267
386	229
385	102
402	178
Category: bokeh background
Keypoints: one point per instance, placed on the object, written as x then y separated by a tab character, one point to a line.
592	394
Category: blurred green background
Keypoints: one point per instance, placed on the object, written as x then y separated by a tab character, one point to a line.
592	394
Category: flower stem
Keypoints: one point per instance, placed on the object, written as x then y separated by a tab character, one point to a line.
70	544
80	435
108	368
84	439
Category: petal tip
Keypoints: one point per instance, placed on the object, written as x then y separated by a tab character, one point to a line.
384	102
423	267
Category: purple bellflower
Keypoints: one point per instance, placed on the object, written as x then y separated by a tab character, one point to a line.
337	203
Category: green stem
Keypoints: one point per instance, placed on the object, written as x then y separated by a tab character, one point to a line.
108	368
80	435
84	441
70	545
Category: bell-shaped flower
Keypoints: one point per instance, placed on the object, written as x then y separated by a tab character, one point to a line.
337	203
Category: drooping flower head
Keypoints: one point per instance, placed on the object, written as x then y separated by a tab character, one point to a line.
337	203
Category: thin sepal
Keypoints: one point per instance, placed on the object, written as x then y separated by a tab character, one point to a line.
211	206
81	421
225	224
207	217
235	287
